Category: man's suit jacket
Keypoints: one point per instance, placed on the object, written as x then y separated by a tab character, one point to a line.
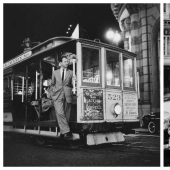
58	86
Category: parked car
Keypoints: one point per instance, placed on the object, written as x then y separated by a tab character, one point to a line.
152	122
166	118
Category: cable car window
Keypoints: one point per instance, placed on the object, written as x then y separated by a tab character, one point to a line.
7	86
18	85
7	93
91	66
128	72
112	69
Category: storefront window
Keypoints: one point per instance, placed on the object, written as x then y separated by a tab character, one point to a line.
91	67
128	75
112	69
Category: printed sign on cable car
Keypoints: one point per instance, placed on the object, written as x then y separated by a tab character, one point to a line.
93	104
17	59
130	104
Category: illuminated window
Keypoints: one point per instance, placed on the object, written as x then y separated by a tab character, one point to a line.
112	69
128	73
166	45
91	66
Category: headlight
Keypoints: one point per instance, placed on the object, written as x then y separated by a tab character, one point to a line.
117	108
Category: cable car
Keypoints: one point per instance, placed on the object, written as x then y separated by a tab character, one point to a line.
105	98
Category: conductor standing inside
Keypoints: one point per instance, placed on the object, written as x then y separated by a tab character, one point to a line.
62	95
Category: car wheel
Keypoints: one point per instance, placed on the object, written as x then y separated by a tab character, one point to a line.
152	127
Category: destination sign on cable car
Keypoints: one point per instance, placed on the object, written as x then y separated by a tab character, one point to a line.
93	104
18	59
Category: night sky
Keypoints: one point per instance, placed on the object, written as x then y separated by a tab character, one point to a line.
41	22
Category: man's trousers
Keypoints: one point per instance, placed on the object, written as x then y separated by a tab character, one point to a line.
62	109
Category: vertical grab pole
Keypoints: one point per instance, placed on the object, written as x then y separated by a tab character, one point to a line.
138	89
52	69
36	85
12	89
74	83
22	89
40	88
26	94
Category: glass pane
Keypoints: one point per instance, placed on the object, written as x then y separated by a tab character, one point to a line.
112	69
7	86
18	85
166	79
90	60
168	45
164	7
128	76
7	94
164	46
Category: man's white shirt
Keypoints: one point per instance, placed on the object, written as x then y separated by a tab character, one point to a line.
61	72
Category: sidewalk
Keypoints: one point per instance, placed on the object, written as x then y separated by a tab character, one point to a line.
141	130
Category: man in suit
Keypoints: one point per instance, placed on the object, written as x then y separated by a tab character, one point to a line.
62	95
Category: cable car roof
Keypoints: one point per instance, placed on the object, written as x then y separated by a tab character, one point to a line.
56	42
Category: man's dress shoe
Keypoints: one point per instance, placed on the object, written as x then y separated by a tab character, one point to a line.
68	135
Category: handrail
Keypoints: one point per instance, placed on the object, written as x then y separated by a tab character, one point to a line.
36	78
74	82
22	89
12	89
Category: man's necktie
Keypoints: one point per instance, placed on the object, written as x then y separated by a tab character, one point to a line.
63	75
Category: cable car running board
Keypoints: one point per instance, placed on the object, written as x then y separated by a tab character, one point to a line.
41	133
100	138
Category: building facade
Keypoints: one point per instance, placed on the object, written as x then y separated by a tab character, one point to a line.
166	48
140	26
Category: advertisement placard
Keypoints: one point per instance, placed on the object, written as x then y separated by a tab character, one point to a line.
93	104
130	104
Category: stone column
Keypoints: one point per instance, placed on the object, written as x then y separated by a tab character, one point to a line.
139	46
125	27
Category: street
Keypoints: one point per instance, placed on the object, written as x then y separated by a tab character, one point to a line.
167	158
137	150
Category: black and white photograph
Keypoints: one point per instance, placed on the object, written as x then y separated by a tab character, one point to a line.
82	84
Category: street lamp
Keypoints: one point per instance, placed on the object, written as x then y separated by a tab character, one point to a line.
113	36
